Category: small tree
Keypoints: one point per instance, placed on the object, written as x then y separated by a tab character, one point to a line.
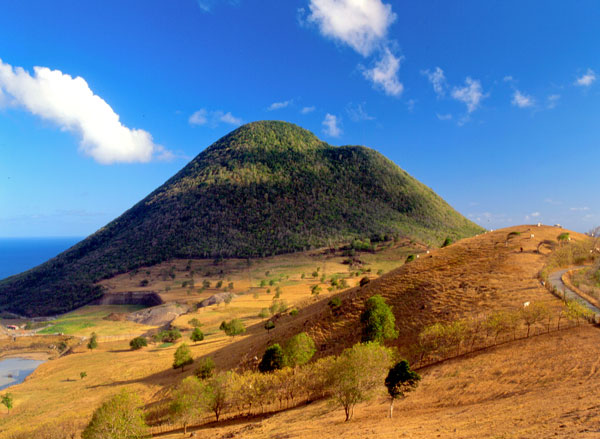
299	350
195	322
356	373
233	327
378	320
217	393
532	314
273	359
138	343
118	418
400	380
93	343
269	325
187	402
205	369
82	375
197	335
182	357
7	401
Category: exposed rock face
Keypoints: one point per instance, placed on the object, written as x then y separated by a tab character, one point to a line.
215	299
160	315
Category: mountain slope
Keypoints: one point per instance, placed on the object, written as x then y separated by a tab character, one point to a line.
266	188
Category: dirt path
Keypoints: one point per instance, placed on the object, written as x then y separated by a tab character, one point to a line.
555	280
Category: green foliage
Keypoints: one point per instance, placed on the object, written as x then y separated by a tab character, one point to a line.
93	343
365	280
195	322
410	258
138	343
316	290
294	312
182	357
263	313
168	336
335	304
7	401
266	188
205	369
219	284
401	379
563	237
82	375
233	327
187	402
299	350
272	359
357	373
447	242
197	335
378	320
269	325
118	418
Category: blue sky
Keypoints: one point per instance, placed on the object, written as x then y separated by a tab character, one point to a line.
494	105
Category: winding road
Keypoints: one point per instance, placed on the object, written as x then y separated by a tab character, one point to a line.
555	280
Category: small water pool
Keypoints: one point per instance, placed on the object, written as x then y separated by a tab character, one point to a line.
15	370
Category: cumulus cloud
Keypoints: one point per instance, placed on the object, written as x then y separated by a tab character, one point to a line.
279	105
331	125
385	73
471	94
72	105
586	79
213	118
357	112
361	24
579	209
553	101
521	100
438	80
306	110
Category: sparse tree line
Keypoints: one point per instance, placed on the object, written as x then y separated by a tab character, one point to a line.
440	341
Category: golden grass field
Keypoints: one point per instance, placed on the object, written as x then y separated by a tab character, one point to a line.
543	386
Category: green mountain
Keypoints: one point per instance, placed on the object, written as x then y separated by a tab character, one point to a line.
265	188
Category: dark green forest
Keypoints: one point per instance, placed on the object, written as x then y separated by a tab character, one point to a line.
264	189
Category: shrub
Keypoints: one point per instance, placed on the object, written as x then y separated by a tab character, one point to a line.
138	343
118	418
7	401
299	350
269	325
378	320
365	280
316	290
294	312
335	304
93	343
205	369
263	313
194	322
197	335
168	336
273	359
233	327
447	242
182	357
409	258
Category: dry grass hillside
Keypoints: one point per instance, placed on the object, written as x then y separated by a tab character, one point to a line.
513	390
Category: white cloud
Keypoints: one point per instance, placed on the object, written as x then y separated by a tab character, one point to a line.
385	73
279	105
471	94
70	103
438	80
553	101
443	116
330	125
361	24
306	110
358	113
579	209
522	101
207	5
213	118
508	78
586	79
410	104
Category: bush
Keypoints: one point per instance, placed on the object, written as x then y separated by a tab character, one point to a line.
378	320
138	343
294	312
269	325
263	313
447	242
409	258
93	343
194	322
299	350
365	280
197	335
118	418
205	369
233	327
168	336
273	359
335	304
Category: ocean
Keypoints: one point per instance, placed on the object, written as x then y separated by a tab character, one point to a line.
20	254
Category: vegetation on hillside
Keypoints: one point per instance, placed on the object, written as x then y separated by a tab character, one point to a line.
264	189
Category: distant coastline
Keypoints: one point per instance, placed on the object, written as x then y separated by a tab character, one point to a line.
21	254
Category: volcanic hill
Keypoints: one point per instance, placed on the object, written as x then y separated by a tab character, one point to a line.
266	188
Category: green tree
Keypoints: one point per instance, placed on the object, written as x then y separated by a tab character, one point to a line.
233	327
357	373
82	375
197	335
187	402
400	380
447	242
217	393
195	322
205	369
182	357
378	320
118	418
138	343
269	325
93	343
7	401
299	350
273	359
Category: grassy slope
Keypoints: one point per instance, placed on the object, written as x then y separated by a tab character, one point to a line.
266	188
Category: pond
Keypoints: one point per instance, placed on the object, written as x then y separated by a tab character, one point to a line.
15	370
